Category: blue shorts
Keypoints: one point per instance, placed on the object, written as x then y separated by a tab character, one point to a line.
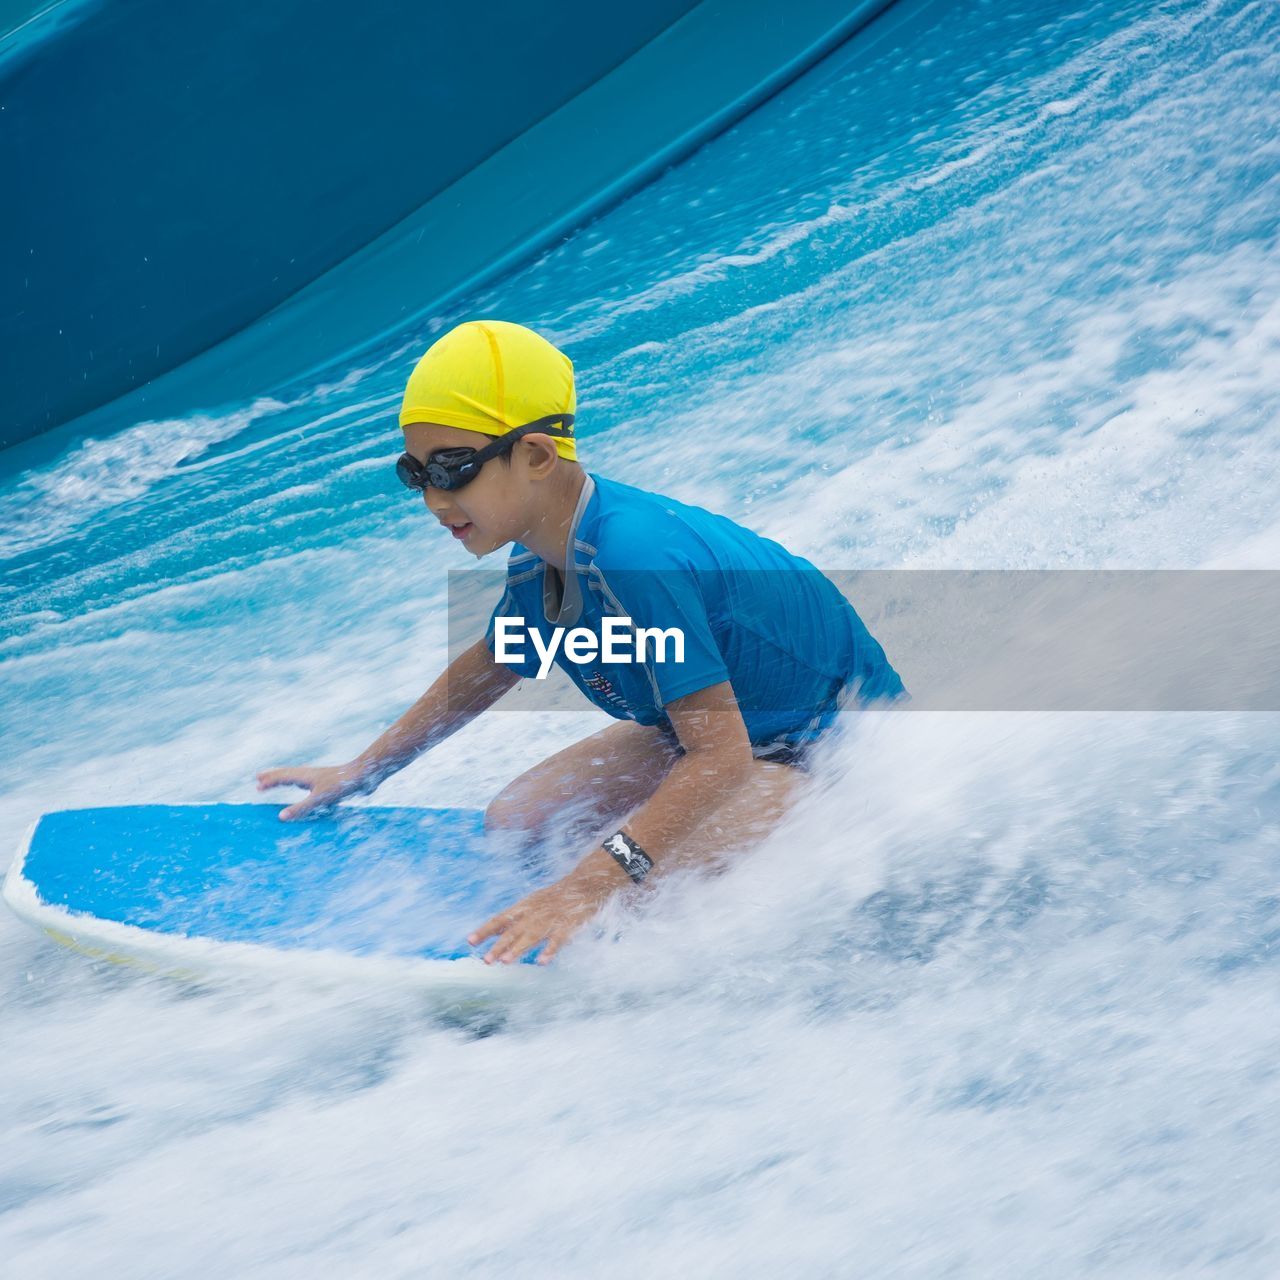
777	751
799	754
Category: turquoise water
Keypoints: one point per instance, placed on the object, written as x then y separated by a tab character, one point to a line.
996	285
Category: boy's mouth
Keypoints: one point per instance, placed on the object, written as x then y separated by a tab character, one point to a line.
460	530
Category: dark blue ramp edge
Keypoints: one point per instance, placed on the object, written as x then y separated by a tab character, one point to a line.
364	881
640	109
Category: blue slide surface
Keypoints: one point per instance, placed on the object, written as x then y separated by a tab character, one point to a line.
181	171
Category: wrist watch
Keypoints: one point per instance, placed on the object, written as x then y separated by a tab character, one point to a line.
628	855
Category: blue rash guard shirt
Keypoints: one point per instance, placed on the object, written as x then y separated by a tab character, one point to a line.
751	612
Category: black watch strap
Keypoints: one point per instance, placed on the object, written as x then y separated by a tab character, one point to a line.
629	855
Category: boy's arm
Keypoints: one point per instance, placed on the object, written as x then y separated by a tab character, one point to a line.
717	761
470	684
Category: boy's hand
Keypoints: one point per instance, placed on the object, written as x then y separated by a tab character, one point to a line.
553	914
327	784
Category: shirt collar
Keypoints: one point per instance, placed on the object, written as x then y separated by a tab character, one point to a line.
564	609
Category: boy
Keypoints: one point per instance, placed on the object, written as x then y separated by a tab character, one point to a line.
712	731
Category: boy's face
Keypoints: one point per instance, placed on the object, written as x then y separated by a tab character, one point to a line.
495	508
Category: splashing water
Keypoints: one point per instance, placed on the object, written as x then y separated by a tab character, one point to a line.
995	285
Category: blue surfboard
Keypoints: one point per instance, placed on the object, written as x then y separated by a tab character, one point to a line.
189	888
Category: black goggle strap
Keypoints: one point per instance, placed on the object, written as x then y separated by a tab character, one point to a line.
540	424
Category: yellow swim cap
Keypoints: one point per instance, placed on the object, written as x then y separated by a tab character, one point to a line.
491	376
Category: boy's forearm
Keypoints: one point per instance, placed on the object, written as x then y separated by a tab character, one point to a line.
470	684
697	784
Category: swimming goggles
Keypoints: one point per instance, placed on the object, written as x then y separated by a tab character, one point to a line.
453	468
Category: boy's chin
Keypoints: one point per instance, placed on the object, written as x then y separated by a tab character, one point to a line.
484	548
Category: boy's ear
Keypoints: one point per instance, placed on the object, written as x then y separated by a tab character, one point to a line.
539	453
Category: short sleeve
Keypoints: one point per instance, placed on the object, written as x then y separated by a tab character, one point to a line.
508	607
665	594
